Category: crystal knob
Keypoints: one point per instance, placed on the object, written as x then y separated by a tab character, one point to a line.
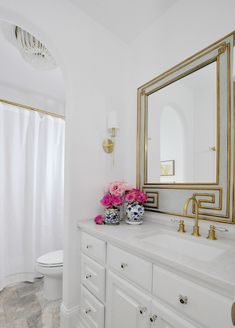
87	311
143	309
88	276
123	265
183	299
153	318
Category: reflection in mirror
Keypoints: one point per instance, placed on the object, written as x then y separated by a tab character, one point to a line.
182	130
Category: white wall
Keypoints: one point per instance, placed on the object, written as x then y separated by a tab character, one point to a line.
22	83
31	97
186	28
94	66
99	76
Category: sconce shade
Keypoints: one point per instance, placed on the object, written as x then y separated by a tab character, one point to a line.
112	120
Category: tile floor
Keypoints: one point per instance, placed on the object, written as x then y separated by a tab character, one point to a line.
23	306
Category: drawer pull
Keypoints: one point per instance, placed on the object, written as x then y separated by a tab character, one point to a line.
183	299
88	276
87	311
153	318
123	265
143	309
88	246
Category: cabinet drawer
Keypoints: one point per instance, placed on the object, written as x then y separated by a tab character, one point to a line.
204	306
93	247
93	277
92	311
131	267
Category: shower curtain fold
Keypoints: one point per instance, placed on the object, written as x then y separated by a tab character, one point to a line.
31	190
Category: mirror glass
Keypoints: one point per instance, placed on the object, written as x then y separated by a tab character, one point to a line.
181	138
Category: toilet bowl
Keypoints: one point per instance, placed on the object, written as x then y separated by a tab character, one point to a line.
50	265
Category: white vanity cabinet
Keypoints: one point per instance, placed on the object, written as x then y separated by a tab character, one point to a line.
123	290
92	309
126	306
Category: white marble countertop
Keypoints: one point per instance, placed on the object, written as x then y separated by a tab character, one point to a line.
219	271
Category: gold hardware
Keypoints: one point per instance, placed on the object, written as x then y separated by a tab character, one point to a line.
42	111
226	211
113	132
222	49
233	313
211	233
193	199
181	226
108	146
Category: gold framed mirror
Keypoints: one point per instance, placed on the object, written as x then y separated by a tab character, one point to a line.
185	135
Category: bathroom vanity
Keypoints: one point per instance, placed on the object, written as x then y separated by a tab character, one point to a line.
153	276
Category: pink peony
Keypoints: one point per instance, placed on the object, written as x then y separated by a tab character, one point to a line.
135	195
106	201
141	197
117	200
130	197
117	188
99	219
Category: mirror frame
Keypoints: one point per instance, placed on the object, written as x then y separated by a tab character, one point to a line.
216	199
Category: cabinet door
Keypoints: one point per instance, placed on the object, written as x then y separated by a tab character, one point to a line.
126	306
163	317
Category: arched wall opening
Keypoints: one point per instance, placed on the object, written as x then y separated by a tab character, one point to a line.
14	18
95	67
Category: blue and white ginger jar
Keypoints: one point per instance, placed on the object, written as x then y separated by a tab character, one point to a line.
134	212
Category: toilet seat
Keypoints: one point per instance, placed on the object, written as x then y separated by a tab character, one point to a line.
51	260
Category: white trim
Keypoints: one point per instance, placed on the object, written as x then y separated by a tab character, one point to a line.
69	318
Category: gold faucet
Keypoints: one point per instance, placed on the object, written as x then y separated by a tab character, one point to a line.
195	232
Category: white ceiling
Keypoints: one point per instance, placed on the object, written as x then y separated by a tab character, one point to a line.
18	75
125	18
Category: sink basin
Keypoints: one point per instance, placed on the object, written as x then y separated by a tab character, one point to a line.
187	245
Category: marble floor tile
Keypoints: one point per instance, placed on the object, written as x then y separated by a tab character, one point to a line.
23	306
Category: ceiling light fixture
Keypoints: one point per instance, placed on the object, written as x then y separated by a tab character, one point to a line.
33	51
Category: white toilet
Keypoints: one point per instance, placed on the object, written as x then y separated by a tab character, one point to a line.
50	266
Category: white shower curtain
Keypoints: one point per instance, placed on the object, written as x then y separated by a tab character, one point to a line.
31	190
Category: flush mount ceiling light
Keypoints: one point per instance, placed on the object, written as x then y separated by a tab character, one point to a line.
33	51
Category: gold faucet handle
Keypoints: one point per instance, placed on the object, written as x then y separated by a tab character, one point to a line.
211	233
181	226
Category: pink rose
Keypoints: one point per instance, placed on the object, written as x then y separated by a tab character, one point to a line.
130	197
117	188
106	201
99	219
141	197
117	200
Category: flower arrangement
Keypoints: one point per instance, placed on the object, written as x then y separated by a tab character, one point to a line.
135	206
116	194
135	196
113	198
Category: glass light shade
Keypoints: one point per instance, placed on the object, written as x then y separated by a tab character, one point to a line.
33	51
112	120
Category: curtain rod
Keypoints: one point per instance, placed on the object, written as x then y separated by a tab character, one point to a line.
32	108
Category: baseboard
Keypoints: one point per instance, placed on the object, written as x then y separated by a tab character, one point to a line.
69	318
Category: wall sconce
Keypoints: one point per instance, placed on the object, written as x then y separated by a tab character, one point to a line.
108	143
